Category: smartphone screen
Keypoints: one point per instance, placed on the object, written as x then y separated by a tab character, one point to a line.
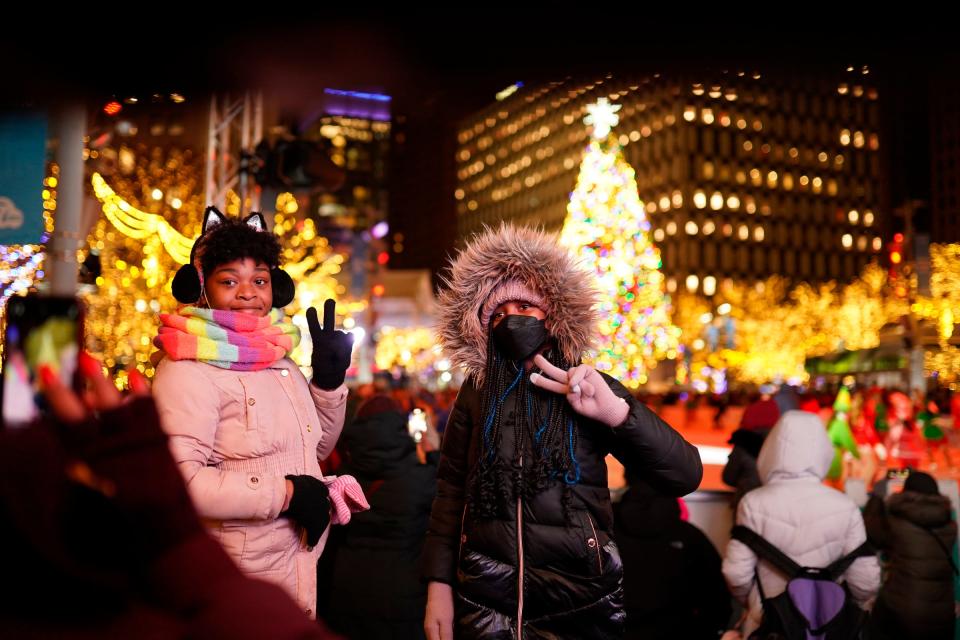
38	331
417	424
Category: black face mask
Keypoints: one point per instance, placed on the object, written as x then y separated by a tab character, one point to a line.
518	337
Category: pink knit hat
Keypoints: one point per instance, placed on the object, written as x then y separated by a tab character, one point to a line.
505	292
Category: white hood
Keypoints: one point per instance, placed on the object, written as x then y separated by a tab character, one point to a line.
797	447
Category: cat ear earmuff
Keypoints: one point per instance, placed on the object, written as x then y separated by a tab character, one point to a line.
187	284
280	280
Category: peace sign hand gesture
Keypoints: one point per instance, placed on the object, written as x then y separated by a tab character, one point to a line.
331	348
586	391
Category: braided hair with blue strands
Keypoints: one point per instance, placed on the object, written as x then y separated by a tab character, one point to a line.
544	435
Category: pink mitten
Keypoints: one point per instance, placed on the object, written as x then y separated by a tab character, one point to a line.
346	498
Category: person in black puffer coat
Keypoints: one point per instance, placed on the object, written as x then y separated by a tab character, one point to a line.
915	530
672	583
740	472
374	591
519	544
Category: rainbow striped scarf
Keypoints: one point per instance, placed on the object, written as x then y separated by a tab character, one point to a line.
226	339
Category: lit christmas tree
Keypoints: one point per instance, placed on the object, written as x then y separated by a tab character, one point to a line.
606	225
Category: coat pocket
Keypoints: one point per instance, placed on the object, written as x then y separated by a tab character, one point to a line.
233	539
251	409
594	545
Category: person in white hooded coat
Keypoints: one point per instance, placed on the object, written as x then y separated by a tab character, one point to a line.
798	514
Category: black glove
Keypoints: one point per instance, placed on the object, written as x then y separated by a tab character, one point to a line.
309	506
331	348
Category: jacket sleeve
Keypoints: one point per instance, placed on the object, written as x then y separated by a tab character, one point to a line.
331	409
734	468
651	447
876	523
740	562
710	596
189	408
863	576
441	547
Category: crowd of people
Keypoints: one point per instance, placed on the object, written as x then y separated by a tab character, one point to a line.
245	499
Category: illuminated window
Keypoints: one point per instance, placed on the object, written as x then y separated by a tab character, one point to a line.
716	201
699	199
709	285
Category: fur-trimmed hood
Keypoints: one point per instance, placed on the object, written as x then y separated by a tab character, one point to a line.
533	258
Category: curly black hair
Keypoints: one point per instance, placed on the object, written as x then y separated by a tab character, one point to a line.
235	240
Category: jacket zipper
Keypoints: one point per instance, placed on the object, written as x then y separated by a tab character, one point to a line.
596	540
520	563
463	537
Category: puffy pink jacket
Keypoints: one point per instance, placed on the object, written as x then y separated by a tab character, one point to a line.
235	435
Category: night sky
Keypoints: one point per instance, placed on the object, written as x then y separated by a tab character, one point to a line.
440	73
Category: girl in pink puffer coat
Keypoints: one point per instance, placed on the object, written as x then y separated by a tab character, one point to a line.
245	426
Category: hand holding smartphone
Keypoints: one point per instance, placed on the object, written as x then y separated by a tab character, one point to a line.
417	424
40	333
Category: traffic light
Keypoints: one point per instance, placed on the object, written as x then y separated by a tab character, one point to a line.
895	253
896	249
896	273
